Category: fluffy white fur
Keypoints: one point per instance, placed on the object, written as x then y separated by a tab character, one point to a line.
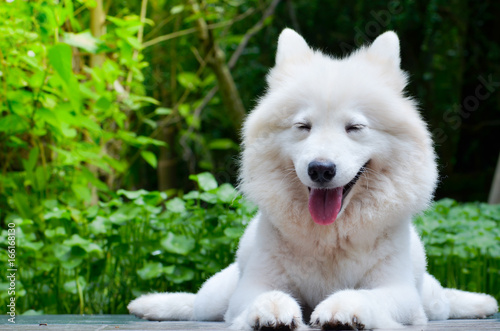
368	268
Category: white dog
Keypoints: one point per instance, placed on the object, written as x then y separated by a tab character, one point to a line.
338	160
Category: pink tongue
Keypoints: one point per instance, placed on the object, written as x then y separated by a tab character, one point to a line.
324	205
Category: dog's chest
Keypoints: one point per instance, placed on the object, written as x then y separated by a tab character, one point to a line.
313	275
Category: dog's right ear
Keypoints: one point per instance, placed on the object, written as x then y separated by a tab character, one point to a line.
291	46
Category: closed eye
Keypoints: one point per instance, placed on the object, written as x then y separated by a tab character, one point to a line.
303	126
354	127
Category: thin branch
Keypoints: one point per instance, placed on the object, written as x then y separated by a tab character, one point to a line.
205	101
181	33
169	36
159	26
250	33
237	53
144	7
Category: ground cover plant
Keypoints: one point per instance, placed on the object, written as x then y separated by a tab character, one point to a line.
97	260
462	242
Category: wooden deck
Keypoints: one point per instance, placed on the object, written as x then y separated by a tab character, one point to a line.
127	322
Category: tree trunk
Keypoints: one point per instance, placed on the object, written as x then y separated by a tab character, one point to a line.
216	60
97	28
168	158
167	170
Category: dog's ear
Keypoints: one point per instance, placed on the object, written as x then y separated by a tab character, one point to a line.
291	45
386	49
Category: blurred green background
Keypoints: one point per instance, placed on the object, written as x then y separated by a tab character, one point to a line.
119	135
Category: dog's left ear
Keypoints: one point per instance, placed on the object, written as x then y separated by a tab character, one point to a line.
386	49
291	46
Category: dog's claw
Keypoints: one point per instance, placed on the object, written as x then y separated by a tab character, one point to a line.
279	327
335	325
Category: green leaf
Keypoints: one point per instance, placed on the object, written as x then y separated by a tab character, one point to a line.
72	286
146	140
57	232
32	159
234	233
119	165
182	274
163	111
22	204
142	98
84	40
227	193
206	181
132	195
150	158
103	103
82	192
223	144
189	80
133	41
60	58
72	262
13	124
177	9
89	176
168	270
99	225
34	246
41	178
151	270
176	205
178	244
191	195
78	241
154	198
208	197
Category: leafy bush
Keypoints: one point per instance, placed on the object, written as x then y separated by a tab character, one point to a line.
98	259
462	242
66	123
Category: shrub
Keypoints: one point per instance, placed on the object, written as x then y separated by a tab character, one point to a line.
462	243
98	259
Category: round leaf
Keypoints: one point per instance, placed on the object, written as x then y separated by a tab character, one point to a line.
178	244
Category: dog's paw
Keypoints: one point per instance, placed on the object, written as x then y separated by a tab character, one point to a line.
273	310
339	323
350	310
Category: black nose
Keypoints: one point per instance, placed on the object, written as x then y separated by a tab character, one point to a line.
321	171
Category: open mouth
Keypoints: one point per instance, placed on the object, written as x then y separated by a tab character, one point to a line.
326	203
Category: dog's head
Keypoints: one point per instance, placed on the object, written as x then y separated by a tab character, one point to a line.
337	136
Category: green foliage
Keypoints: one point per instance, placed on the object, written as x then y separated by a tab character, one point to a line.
462	243
65	124
98	259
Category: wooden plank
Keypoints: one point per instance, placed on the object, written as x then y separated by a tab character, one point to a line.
128	322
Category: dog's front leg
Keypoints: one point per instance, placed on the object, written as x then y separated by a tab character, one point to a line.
256	306
387	307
